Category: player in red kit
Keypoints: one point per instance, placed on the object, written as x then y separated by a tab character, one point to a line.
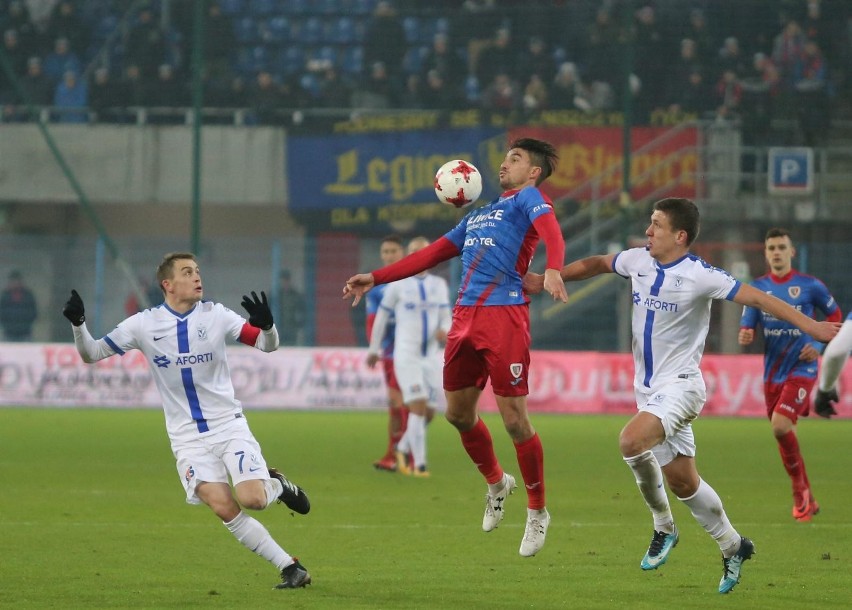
790	357
490	335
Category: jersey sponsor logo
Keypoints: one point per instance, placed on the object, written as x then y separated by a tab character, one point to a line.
194	359
794	291
480	241
781	332
158	338
162	361
636	298
657	304
492	215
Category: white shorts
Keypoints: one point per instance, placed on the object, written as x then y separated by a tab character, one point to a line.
676	403
420	378
232	452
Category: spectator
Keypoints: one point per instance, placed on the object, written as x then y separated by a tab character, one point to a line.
411	97
728	95
168	91
18	19
220	32
786	50
445	60
291	310
699	33
603	47
692	96
36	84
376	91
499	56
759	91
265	99
812	94
651	53
731	58
102	95
535	95
535	60
384	41
61	60
132	90
502	95
65	23
567	92
15	55
334	92
71	99
18	309
146	44
437	94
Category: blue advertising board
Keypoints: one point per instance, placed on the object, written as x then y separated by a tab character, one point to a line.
365	171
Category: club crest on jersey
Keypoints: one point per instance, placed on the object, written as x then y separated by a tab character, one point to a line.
516	368
190	472
803	393
202	333
678	281
794	291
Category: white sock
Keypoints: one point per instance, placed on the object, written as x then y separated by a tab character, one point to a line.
404	444
649	478
834	357
273	488
706	507
417	438
495	488
256	538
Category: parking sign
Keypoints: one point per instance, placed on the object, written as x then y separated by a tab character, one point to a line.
791	171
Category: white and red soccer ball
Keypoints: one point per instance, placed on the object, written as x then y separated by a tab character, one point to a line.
458	183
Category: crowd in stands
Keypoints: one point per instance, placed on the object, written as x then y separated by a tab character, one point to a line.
745	59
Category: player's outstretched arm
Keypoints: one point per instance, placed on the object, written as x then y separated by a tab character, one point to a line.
751	296
357	286
88	347
585	268
554	285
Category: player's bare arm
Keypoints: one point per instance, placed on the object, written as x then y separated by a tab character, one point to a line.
357	286
585	268
751	296
809	353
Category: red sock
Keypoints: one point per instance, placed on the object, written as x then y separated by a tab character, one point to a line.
791	457
479	446
397	414
531	462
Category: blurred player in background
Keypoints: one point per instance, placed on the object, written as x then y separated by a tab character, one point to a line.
672	293
184	342
833	359
390	250
420	304
490	333
790	358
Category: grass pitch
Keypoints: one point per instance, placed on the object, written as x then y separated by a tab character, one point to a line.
92	516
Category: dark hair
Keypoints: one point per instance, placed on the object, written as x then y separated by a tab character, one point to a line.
682	214
778	232
395	238
166	267
542	154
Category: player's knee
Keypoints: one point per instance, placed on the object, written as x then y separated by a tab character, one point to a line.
461	421
629	445
252	497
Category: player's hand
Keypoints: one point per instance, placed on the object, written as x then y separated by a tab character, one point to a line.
533	283
258	309
74	309
746	336
554	285
823	403
441	336
808	354
372	360
357	286
825	331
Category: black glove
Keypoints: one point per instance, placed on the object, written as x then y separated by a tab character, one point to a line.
822	403
74	310
258	310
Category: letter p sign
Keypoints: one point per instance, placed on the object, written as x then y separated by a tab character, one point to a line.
791	171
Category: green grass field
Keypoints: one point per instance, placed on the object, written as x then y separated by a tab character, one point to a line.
92	516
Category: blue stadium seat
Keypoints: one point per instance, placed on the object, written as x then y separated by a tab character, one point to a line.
250	59
326	53
310	84
245	30
262	8
413	61
232	7
105	27
290	60
310	31
411	25
343	30
276	30
352	60
362	7
328	7
297	7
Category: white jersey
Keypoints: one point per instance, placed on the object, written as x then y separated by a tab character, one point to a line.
421	306
186	354
671	313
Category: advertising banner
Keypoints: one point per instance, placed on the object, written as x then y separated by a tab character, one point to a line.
52	375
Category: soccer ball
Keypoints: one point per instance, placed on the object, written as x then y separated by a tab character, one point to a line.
458	183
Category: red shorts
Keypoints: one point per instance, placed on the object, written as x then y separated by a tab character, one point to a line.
489	342
390	376
791	399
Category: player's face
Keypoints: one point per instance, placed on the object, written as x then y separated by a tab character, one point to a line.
664	243
391	252
517	171
779	253
184	287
